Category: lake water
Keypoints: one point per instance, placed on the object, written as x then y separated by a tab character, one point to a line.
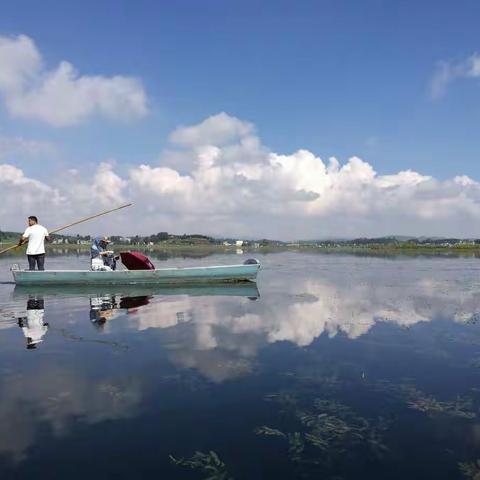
336	367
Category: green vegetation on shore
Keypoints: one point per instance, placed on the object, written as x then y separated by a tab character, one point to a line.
202	244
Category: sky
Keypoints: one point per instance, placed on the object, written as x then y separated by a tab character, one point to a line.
255	119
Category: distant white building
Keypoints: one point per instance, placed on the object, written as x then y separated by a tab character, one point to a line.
239	243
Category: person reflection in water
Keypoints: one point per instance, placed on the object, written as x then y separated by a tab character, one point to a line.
33	326
101	310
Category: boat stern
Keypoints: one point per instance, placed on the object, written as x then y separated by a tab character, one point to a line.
254	265
15	269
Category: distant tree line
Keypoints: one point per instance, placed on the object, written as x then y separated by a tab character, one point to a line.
13	237
165	237
393	241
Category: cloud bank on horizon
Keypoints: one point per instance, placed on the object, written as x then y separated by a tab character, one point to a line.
216	177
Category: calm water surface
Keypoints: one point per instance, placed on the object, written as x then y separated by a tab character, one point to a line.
337	367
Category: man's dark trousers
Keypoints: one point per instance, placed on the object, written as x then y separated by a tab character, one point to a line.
38	260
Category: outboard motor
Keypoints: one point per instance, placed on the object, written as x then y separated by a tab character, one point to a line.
136	261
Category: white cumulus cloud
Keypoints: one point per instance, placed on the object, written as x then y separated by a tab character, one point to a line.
447	72
61	96
11	147
21	196
231	184
218	129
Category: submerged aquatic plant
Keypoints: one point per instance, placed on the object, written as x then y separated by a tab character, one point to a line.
470	470
335	425
415	399
425	404
296	446
458	407
333	407
323	436
296	441
272	432
326	430
208	463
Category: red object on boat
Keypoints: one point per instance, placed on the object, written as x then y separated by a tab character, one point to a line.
136	261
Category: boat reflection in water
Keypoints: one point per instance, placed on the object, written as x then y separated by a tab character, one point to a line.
107	302
102	307
244	289
32	324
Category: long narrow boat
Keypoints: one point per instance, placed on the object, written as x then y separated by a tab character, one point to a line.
160	276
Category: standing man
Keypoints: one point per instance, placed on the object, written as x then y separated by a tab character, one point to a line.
35	234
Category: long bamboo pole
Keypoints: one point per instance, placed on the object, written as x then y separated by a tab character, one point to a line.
73	223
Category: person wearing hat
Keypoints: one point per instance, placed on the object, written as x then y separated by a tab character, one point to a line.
101	258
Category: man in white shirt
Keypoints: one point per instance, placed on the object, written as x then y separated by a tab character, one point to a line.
35	234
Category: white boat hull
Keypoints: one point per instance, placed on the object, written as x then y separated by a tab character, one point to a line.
161	276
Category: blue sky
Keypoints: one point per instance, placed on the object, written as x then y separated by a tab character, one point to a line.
336	78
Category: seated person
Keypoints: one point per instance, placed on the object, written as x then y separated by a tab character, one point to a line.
101	258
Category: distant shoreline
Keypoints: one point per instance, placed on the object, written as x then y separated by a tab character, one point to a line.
206	249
